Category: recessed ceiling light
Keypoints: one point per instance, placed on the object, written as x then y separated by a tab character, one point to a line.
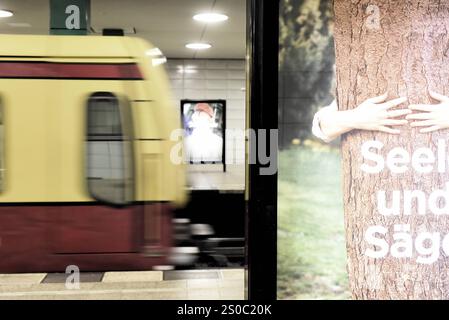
5	13
198	46
210	17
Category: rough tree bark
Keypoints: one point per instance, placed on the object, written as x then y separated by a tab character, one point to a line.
399	46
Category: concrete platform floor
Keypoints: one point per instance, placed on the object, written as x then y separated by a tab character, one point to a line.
223	284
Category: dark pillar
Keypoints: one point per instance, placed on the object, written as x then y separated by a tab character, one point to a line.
263	50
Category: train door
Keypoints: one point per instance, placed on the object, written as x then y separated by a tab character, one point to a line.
97	159
152	179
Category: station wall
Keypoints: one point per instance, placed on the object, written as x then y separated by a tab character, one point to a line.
214	79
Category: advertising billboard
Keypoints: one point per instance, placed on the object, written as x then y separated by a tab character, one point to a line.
363	193
204	123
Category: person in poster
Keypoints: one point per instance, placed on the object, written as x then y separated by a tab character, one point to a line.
203	145
375	114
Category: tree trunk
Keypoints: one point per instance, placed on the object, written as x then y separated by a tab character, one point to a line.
401	47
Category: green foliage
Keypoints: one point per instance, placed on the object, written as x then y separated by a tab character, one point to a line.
306	57
306	41
311	243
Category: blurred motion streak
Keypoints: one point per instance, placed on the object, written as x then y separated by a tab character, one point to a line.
86	177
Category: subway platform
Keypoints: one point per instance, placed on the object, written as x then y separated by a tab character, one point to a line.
206	284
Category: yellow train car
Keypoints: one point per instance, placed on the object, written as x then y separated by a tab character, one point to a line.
85	172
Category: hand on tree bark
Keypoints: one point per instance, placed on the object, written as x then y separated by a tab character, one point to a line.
435	116
374	114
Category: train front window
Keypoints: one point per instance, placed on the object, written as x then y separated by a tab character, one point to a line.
109	149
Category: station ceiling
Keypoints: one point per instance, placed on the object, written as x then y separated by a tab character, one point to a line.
168	24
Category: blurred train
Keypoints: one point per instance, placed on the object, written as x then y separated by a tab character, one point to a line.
85	171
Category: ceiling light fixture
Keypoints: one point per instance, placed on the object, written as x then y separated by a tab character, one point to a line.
6	13
210	17
198	46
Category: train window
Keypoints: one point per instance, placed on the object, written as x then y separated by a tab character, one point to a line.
109	149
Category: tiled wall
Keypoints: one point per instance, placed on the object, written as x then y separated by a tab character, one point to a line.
214	79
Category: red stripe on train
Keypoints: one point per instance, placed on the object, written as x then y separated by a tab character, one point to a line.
69	70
